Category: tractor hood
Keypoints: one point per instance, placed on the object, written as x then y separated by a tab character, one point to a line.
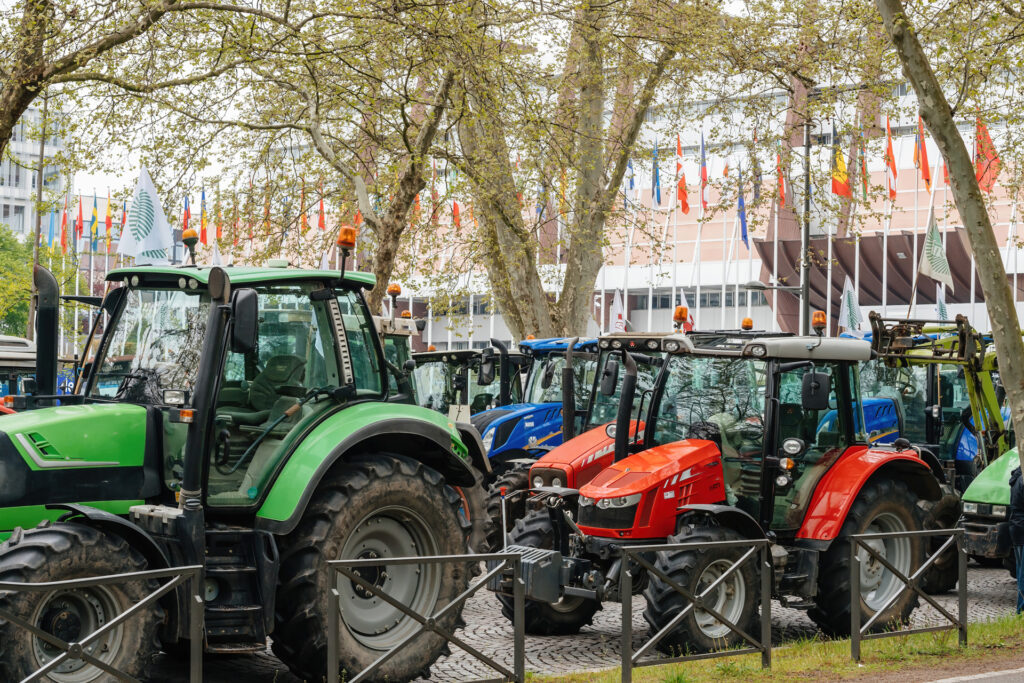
82	452
671	466
992	485
583	457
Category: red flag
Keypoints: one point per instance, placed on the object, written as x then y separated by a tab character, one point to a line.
986	159
890	162
220	224
782	180
679	154
684	199
64	229
78	226
945	173
922	156
321	221
358	219
456	220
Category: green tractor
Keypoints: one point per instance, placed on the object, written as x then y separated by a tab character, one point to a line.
236	419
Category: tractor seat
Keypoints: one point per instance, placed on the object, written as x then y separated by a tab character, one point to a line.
280	371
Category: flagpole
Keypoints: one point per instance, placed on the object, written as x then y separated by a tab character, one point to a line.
828	284
725	262
728	264
885	234
931	215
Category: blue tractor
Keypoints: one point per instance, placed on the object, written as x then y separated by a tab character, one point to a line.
519	433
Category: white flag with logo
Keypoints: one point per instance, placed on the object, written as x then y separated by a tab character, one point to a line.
940	302
617	320
933	258
849	308
147	236
215	257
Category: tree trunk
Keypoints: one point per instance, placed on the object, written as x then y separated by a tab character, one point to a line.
970	203
23	83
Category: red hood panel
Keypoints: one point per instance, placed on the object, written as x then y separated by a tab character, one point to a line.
653	467
584	456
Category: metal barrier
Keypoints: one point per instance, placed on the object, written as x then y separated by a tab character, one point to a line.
77	650
633	660
859	633
497	564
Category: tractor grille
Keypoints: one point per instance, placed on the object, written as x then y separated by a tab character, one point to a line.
607	518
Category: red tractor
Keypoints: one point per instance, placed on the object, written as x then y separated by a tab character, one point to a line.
746	435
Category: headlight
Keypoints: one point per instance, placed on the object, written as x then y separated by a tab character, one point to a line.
671	346
652	344
538	481
998	510
557	481
586	502
970	508
623	502
793	446
488	440
756	350
610	430
603	343
617	344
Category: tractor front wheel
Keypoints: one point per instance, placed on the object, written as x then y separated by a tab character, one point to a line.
882	506
63	551
369	507
474	508
944	572
734	598
565	617
515	480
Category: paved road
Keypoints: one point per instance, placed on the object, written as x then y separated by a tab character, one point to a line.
990	595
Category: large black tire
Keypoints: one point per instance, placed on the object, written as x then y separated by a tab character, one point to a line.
988	562
58	552
565	617
483	532
515	479
736	598
944	573
380	505
882	505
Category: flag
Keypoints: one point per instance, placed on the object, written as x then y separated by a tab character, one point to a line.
689	323
656	178
986	159
321	219
840	178
741	208
124	219
782	180
215	257
357	220
220	222
617	314
148	234
890	163
202	217
933	257
922	156
94	223
416	207
64	228
108	222
940	302
725	169
684	199
849	309
304	220
456	217
541	199
630	178
679	154
80	223
186	216
50	233
703	175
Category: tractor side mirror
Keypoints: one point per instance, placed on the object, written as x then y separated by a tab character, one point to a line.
409	366
815	391
610	377
28	386
548	376
485	375
245	320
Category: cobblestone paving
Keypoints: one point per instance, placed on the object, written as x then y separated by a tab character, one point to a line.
990	595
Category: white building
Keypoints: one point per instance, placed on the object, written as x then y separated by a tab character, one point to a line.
18	176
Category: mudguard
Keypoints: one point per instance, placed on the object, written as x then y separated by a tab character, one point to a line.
728	516
137	537
471	440
412	431
841	485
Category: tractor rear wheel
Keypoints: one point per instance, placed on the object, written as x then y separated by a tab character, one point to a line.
58	552
483	532
945	570
735	598
565	617
512	480
884	505
370	506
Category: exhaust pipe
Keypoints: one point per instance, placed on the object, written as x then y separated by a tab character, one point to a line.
504	374
47	310
625	407
569	394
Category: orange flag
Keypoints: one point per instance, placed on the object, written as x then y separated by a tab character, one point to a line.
986	160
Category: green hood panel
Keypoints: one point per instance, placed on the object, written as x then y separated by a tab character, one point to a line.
992	485
304	467
83	436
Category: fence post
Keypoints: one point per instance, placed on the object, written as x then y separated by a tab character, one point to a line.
195	630
519	625
626	595
961	588
854	600
766	607
332	632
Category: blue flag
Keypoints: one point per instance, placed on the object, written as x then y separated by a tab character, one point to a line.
656	183
742	209
541	199
50	236
629	186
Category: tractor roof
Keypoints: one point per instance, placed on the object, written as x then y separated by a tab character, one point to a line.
244	274
768	346
540	347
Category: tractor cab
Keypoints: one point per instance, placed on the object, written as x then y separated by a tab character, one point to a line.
17	363
395	335
464	382
743	435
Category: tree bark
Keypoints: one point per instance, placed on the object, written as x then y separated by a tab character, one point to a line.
970	203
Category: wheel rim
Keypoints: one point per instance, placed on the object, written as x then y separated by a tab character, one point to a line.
877	584
394	531
728	599
567	604
72	615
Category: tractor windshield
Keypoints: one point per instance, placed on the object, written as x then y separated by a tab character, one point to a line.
718	398
153	346
545	381
603	408
433	385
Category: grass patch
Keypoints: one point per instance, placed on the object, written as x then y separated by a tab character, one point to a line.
815	658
